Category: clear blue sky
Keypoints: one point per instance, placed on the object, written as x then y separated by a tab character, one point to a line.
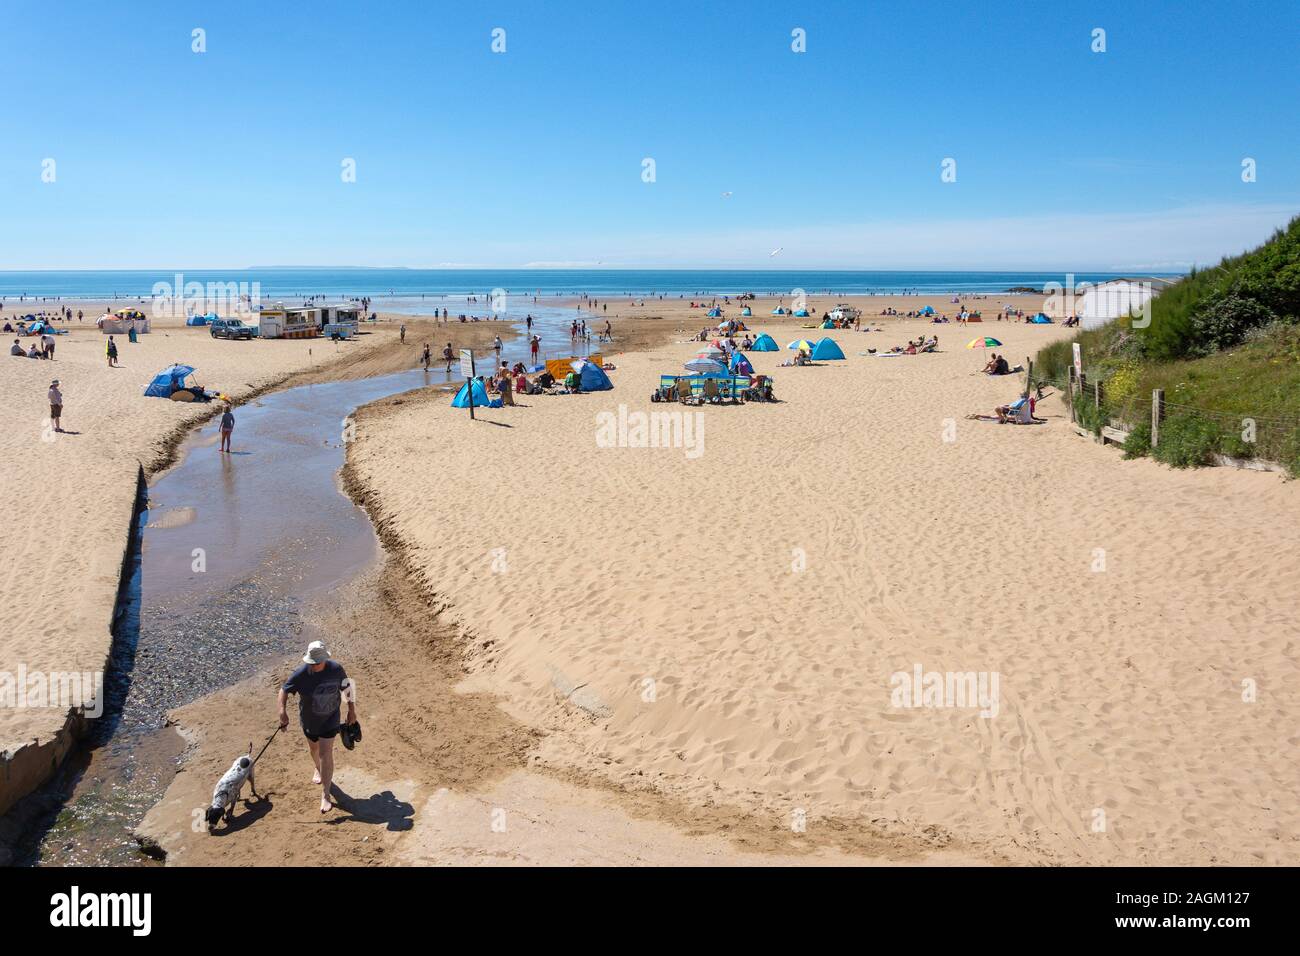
230	158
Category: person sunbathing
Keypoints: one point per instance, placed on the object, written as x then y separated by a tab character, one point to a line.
1021	411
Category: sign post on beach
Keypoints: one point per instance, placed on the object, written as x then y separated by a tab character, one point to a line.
467	369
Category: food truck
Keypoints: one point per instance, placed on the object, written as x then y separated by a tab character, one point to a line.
289	323
308	321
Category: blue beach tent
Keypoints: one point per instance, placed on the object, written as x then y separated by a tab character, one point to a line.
480	396
592	378
801	313
827	349
765	343
168	380
746	311
928	310
714	313
740	365
199	319
1040	319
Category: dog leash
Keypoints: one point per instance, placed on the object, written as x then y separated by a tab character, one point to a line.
267	744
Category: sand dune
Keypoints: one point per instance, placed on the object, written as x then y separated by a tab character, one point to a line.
724	628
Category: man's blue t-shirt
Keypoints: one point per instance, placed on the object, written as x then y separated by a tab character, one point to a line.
318	696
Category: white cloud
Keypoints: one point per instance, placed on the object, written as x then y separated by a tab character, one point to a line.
1172	240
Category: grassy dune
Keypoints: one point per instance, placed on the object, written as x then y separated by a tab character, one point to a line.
1224	344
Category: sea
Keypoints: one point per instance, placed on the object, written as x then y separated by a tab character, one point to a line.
415	290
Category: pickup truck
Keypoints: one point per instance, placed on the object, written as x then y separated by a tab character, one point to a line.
230	329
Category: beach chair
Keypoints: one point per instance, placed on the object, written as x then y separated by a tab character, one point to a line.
685	389
711	391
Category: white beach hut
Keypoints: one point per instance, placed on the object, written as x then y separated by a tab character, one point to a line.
1108	300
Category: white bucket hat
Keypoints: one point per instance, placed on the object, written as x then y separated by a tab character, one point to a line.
316	653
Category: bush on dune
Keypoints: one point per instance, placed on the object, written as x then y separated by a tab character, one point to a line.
1223	342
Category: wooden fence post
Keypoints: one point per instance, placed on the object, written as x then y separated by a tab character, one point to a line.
1157	414
1069	391
1096	392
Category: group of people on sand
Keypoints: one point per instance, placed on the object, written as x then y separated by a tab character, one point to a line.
998	365
45	350
920	346
59	315
506	382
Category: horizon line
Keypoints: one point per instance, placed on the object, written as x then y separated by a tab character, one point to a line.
533	268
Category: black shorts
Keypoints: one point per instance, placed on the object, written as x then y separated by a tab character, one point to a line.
333	732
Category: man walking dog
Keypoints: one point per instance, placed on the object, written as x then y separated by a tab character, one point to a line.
320	683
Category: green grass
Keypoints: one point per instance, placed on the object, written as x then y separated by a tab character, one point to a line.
1223	344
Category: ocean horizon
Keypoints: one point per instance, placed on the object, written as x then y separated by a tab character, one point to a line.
404	283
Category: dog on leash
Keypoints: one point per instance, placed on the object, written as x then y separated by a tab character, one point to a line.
226	794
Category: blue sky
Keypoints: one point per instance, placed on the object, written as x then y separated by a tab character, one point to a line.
1065	158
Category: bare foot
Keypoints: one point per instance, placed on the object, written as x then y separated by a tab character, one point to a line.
315	778
325	805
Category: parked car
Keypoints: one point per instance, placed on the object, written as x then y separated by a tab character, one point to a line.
230	329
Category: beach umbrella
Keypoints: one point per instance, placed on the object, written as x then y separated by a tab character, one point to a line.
800	345
705	366
709	352
984	342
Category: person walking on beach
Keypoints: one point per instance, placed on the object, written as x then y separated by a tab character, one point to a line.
111	349
227	429
536	343
403	333
47	345
447	354
496	344
319	684
56	405
427	356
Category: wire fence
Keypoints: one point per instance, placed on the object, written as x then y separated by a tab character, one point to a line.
1195	432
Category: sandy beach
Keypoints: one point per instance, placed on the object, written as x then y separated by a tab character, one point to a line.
770	588
612	639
